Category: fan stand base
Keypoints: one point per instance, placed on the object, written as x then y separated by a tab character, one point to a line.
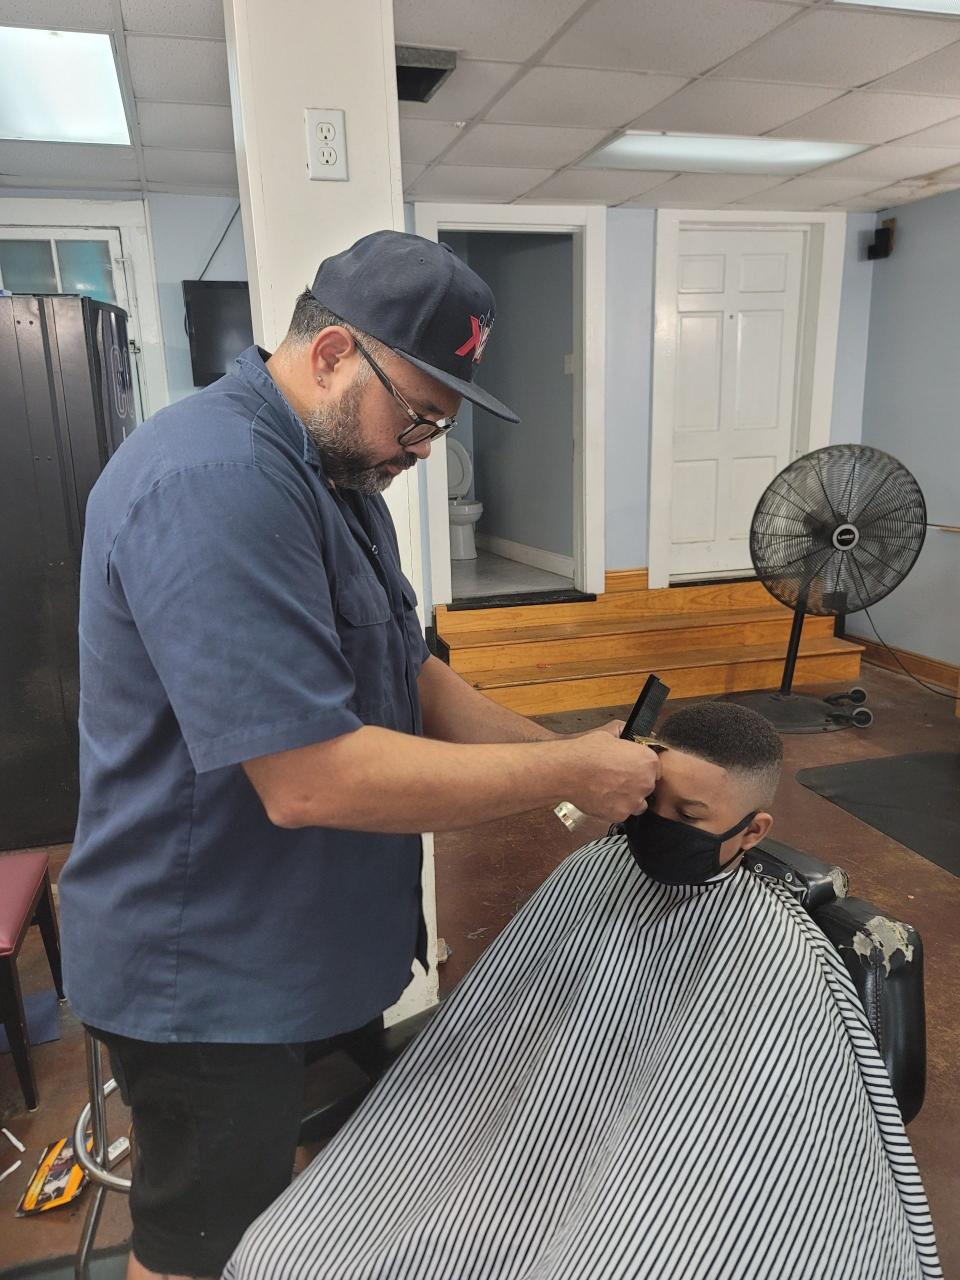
794	712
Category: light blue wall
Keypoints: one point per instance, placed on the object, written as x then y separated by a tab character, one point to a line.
185	231
524	474
912	410
848	386
629	370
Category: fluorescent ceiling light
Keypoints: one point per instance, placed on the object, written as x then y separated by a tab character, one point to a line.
60	86
915	6
689	153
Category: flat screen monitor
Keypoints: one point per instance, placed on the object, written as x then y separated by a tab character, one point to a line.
218	325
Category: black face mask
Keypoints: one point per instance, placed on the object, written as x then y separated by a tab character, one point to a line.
676	853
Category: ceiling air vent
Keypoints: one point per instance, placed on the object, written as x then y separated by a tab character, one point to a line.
421	72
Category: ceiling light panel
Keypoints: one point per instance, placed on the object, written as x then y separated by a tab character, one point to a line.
690	153
60	86
913	6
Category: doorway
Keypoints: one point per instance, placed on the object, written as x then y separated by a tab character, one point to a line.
534	491
510	488
747	314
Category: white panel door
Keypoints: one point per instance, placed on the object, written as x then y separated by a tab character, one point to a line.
738	311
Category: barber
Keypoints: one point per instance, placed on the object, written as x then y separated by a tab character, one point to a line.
264	734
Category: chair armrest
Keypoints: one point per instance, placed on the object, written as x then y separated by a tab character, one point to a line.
884	957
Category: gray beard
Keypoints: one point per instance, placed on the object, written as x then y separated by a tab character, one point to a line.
347	461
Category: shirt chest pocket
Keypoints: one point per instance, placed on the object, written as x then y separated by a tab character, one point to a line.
365	627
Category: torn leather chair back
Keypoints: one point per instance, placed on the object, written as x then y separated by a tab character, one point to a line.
883	956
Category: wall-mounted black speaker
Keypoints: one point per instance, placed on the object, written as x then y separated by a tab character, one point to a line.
882	246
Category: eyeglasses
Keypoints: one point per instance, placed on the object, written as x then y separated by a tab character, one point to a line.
420	428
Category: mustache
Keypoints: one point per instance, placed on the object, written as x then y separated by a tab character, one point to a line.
405	461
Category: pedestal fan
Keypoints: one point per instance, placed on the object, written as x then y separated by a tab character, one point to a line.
834	532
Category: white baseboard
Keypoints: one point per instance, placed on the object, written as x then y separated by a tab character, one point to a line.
552	561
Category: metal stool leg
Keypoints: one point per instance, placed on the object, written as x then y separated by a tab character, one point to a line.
95	1161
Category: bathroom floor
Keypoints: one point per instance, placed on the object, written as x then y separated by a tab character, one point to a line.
491	575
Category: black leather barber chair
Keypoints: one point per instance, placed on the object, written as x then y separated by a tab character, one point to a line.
884	958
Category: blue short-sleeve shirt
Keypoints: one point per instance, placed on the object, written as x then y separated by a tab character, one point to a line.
233	605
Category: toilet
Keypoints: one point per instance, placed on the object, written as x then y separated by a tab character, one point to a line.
463	515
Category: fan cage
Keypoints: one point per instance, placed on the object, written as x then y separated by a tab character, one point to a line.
837	530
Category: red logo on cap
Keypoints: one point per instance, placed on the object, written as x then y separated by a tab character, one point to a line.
480	327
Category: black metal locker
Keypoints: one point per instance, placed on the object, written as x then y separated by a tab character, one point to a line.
65	405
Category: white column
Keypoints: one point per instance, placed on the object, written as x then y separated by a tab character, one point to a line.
286	56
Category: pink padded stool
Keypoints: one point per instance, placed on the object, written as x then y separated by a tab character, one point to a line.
25	899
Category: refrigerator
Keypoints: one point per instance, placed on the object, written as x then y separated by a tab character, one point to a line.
66	403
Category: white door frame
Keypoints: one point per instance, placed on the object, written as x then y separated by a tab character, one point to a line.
819	323
131	219
588	225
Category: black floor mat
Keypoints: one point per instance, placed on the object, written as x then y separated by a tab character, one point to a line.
914	799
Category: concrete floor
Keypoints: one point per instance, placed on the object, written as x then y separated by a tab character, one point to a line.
486	874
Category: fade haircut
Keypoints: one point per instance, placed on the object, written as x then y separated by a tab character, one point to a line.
733	737
310	316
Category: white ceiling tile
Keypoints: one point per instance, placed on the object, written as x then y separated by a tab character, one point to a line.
704	190
905	193
597	186
172	70
826	46
941	135
860	204
582	97
97	165
174	17
523	145
182	125
464	93
660	35
475	182
410	173
190	168
890	164
422	140
501	30
812	192
733	106
60	15
871	117
940	73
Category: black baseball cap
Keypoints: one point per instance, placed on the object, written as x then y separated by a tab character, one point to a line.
418	298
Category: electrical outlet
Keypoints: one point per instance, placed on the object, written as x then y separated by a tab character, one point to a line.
326	144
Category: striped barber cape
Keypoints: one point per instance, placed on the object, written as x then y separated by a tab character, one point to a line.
636	1080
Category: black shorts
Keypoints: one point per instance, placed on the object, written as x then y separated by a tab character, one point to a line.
215	1128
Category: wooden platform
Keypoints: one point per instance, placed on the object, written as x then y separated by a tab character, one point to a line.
715	638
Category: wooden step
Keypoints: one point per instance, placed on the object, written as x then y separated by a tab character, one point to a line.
709	598
689	673
634	636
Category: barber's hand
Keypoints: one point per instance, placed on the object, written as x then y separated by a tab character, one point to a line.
611	777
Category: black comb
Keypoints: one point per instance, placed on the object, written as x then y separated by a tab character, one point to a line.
647	707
